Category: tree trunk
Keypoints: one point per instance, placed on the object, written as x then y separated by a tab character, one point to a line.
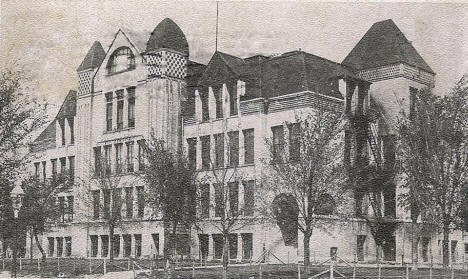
111	239
39	246
306	244
31	237
225	255
414	244
377	252
445	247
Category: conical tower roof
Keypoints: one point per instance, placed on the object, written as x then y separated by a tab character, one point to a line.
93	58
384	44
167	34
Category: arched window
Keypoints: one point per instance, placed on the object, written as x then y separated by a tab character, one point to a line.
121	60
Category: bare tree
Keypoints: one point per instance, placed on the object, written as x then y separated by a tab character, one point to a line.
434	158
309	173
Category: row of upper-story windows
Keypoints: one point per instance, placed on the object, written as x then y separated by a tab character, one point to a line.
107	203
278	142
119	102
215	148
118	158
57	242
41	168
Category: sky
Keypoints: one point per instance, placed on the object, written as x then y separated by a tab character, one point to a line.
49	39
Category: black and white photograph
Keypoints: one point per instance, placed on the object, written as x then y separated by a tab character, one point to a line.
233	139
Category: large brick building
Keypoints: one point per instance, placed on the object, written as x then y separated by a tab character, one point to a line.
220	113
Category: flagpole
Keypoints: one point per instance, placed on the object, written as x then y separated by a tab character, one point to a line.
216	46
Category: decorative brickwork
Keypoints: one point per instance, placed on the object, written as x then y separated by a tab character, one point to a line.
166	63
84	81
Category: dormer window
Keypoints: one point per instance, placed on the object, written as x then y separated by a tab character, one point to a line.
121	60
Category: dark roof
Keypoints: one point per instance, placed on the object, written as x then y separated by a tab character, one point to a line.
167	34
384	44
47	134
68	108
93	58
194	72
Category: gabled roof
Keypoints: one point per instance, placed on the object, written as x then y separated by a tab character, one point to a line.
384	44
139	39
48	133
167	34
68	108
93	58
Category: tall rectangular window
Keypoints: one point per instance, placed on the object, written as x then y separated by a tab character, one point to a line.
118	157
116	245
94	245
107	200
219	200
96	203
63	165
70	205
131	107
233	100
205	145
129	202
361	240
219	101
68	246
127	240
97	161
129	159
219	150
412	99
104	245
120	109
233	148
71	124
62	209
249	148
232	242
155	237
192	151
59	246
205	107
218	246
117	203
107	159
247	245
204	241
37	165
54	168
294	142
44	168
249	197
205	200
62	129
141	155
233	198
137	245
109	111
51	242
278	142
141	201
71	167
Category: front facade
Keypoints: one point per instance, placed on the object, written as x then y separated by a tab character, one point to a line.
220	114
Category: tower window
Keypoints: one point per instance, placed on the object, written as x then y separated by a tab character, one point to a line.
120	109
131	106
109	111
121	60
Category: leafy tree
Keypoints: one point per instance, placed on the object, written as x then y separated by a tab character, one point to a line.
310	173
434	158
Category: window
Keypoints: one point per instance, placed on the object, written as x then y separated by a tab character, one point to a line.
70	205
97	161
62	130
155	237
62	209
192	152
94	245
121	60
233	100
96	203
140	201
425	248
412	99
205	145
104	245
117	203
233	198
131	107
137	245
218	246
36	169
233	148
249	198
232	242
59	246
219	150
54	168
218	92
71	166
44	170
116	245
205	108
247	245
219	200
204	240
51	242
361	240
68	246
127	239
294	142
120	109
389	249
129	202
453	250
141	155
278	142
130	156
249	151
109	106
107	159
63	165
205	200
72	129
107	199
118	158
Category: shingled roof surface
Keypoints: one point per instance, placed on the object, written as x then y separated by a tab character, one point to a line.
68	108
93	58
384	44
168	34
47	134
